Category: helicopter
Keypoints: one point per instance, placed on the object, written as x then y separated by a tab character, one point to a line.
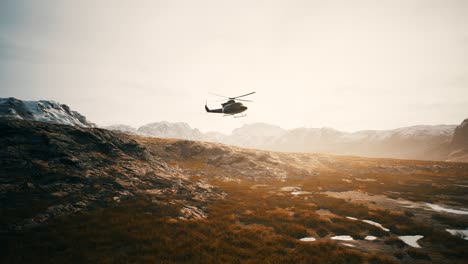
231	107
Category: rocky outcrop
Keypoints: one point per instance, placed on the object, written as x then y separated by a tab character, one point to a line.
459	144
53	170
460	136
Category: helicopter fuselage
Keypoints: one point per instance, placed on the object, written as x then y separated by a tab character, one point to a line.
231	107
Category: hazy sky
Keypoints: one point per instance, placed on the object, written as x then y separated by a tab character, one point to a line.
345	64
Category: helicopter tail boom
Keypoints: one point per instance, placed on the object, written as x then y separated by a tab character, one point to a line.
213	110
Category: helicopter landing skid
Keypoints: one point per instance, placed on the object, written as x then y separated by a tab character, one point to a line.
236	116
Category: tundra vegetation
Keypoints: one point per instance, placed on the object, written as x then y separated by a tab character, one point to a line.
233	205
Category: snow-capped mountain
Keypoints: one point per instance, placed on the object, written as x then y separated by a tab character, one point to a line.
43	111
404	132
170	130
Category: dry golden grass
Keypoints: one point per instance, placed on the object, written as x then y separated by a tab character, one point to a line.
257	222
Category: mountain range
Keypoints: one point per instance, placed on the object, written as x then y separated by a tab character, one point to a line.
424	142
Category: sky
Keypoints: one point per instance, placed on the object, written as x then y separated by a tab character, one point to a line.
350	65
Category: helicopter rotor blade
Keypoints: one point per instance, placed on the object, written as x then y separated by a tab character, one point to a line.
224	100
241	95
220	95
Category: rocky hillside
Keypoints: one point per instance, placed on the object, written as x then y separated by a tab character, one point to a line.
43	111
49	170
459	144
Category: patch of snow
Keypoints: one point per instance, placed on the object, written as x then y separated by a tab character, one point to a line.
351	218
307	239
365	180
460	185
411	206
348	245
344	238
404	132
300	192
439	208
370	238
47	111
376	224
411	240
459	232
290	189
14	114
